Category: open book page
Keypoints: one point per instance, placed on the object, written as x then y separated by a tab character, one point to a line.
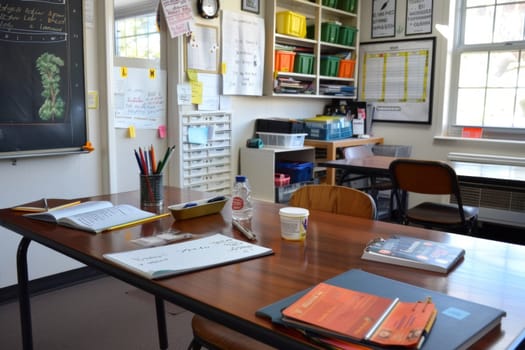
105	218
187	256
56	215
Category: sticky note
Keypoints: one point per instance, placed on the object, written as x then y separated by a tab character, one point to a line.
192	74
123	72
196	92
131	132
152	73
162	131
223	68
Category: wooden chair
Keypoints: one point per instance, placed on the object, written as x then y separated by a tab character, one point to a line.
432	178
335	199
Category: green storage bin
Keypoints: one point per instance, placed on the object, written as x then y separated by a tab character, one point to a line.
330	3
310	31
329	66
346	35
347	5
304	63
329	32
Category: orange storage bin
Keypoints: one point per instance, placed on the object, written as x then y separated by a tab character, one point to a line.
346	69
284	61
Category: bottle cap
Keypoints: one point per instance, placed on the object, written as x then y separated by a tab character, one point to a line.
240	178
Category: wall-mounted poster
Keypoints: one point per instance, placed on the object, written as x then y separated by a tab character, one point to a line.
419	17
383	18
395	79
242	53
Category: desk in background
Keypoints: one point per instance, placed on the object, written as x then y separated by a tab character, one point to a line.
332	146
492	273
475	175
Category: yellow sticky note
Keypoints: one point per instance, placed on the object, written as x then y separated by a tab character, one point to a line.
131	132
152	73
223	68
196	92
123	72
192	74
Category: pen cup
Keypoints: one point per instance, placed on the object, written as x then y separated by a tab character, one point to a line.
151	191
294	223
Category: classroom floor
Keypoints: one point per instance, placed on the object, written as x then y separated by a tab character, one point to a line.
101	314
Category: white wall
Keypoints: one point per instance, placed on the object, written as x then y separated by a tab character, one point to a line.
109	168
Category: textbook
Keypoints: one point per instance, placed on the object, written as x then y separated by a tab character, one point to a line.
414	252
325	310
95	216
474	320
196	254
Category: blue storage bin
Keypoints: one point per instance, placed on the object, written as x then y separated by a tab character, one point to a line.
298	171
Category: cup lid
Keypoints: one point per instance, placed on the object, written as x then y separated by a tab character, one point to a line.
293	211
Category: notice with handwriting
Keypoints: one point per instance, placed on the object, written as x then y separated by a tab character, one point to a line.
187	256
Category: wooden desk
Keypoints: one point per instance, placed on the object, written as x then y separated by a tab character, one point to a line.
477	175
332	146
492	273
481	174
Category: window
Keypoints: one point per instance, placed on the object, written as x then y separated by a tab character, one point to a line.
137	37
488	90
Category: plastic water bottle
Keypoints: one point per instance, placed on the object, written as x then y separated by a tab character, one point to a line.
241	199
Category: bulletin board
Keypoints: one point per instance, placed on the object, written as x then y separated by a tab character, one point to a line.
42	92
396	79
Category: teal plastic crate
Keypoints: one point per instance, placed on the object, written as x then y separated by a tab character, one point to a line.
346	35
328	128
329	66
304	63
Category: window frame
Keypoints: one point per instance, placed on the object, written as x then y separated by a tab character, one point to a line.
458	10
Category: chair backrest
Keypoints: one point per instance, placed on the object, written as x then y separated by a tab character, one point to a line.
335	199
424	176
358	152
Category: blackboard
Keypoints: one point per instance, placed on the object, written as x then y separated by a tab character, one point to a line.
42	92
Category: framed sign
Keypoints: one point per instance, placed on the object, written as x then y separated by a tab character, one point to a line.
418	17
383	18
250	5
396	79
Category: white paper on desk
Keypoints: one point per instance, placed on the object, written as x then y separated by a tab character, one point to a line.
187	256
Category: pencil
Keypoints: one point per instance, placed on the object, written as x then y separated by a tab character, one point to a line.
140	221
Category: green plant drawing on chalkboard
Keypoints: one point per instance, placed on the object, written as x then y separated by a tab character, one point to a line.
49	67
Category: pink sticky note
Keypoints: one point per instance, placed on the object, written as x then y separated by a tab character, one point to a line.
162	131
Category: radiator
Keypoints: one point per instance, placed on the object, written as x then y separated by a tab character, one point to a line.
504	197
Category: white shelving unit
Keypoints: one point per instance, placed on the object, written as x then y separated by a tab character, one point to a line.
258	165
205	165
316	13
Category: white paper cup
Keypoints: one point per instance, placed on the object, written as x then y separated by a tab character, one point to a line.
294	223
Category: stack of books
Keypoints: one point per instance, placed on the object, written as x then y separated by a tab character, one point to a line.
292	86
323	314
360	310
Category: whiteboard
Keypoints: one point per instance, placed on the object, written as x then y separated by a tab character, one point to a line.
396	79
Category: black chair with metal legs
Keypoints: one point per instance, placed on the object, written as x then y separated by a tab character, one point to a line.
431	178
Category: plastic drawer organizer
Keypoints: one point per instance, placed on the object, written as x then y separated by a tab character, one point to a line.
279	140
